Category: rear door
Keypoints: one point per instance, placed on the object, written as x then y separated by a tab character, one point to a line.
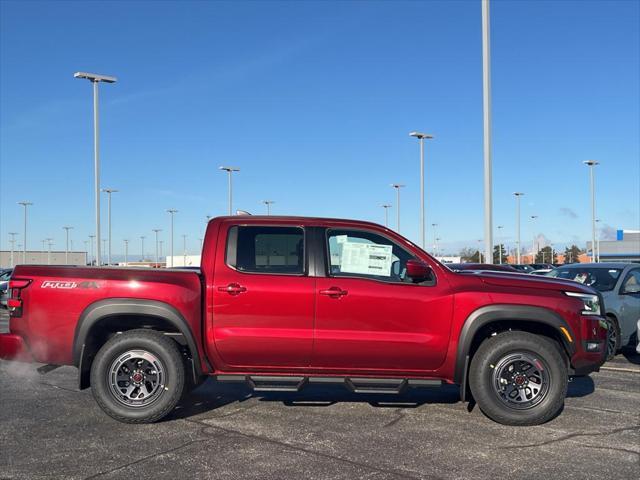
370	315
263	297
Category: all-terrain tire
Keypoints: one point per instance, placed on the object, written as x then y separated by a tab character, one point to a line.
138	376
519	378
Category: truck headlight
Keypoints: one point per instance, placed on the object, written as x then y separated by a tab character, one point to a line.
591	302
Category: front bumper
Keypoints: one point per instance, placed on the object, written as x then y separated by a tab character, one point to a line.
583	361
13	347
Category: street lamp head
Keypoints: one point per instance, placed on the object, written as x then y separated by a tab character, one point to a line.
420	135
386	205
67	228
230	169
268	202
25	204
397	185
95	77
172	211
533	217
591	163
109	190
518	194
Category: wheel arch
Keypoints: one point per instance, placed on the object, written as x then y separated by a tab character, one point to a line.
107	317
491	319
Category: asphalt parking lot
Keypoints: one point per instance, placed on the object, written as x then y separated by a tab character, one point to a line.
48	429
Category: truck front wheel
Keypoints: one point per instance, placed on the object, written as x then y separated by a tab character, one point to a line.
519	378
138	376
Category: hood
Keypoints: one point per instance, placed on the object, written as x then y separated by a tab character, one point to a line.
525	280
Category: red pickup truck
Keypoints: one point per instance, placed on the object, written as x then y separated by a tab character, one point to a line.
281	302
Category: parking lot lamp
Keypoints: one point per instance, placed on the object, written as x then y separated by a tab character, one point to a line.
142	237
126	252
591	164
91	239
172	212
157	231
66	251
95	79
398	186
268	203
229	171
109	191
13	248
24	239
421	137
518	195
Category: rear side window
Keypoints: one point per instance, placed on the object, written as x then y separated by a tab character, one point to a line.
276	250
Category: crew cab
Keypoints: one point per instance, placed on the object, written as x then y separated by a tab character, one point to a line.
282	302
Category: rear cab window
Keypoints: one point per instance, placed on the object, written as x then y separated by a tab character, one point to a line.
266	249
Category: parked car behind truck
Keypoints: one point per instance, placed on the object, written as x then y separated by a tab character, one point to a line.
281	302
619	284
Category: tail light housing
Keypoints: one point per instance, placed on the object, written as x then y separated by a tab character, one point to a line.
14	302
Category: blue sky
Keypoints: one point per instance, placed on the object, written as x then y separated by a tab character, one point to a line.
314	102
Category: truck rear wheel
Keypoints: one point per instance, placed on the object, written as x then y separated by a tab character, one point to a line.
518	378
138	376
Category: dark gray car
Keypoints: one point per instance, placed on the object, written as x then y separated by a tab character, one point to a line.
619	284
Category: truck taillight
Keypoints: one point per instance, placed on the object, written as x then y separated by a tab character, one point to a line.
14	302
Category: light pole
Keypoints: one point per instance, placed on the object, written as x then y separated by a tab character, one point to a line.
435	240
172	212
398	186
534	249
157	231
591	164
86	247
486	104
13	247
126	252
598	242
518	195
161	243
66	251
422	137
386	213
500	246
268	203
91	239
142	237
95	79
109	191
480	252
184	250
229	171
49	243
24	238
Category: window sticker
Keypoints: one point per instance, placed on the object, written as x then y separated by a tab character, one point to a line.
366	258
341	238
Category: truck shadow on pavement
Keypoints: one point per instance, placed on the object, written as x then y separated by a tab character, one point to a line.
213	395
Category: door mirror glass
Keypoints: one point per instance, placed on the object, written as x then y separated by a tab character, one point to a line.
418	271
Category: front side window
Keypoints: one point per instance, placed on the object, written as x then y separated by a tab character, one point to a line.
275	250
354	253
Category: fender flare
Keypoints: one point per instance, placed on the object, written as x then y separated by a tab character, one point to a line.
102	309
492	313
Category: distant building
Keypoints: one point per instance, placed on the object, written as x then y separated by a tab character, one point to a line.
39	257
183	261
625	248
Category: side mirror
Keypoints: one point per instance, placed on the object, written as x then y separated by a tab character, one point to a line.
418	271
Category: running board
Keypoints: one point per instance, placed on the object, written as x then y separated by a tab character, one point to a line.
274	383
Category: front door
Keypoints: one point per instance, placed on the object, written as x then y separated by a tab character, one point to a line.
370	315
263	299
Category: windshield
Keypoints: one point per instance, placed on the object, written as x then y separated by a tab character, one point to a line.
602	279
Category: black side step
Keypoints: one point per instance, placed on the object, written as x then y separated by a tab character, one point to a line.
274	383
